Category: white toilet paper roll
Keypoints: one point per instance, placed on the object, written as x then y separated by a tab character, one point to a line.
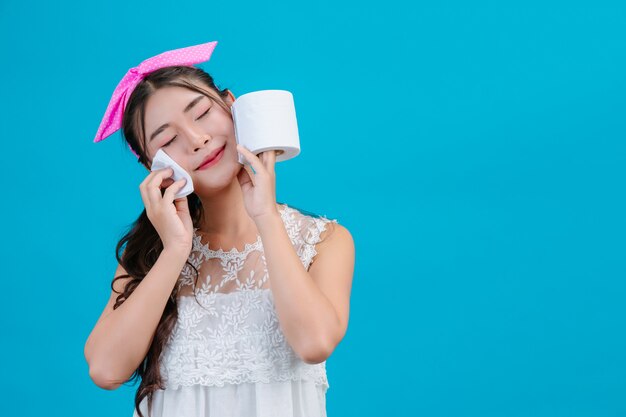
265	120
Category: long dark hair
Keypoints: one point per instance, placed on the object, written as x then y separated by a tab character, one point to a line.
140	247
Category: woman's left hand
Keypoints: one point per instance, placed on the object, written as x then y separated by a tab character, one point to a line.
259	187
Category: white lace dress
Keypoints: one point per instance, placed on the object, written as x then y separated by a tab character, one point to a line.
227	356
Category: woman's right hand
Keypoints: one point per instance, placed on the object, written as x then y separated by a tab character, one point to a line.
170	218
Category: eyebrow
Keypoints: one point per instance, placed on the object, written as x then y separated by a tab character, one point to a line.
185	110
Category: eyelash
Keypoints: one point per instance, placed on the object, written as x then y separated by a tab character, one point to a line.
200	117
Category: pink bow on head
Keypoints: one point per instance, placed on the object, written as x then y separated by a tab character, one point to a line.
112	120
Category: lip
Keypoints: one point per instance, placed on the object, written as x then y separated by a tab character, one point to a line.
212	158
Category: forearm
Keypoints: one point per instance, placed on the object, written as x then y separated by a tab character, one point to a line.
307	318
120	342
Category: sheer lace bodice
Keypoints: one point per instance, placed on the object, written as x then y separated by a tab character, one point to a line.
229	332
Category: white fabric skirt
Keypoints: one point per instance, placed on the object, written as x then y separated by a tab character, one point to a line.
293	398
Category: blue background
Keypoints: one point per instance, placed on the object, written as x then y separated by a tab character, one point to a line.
475	151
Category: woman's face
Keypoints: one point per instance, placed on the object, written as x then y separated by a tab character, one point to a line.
189	126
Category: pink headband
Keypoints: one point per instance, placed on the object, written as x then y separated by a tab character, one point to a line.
112	120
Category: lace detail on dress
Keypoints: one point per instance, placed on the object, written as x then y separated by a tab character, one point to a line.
305	232
229	332
236	339
315	231
231	266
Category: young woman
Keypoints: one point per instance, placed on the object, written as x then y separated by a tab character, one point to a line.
225	302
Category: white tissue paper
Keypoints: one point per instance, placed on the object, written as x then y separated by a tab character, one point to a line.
265	120
162	160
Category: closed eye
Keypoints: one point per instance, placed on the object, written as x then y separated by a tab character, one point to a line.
199	117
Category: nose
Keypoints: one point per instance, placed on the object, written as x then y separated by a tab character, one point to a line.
199	141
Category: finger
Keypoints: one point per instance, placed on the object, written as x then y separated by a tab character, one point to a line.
143	189
245	177
150	177
266	158
181	205
252	158
157	177
271	160
170	192
155	187
153	184
250	173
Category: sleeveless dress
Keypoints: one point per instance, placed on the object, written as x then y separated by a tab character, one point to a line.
227	355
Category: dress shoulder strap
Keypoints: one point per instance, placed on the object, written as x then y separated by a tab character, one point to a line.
305	231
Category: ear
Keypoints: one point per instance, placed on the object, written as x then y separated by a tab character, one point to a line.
231	98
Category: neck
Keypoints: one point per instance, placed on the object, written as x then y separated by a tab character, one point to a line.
225	215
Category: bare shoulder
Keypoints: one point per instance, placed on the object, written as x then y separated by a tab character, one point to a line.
335	234
336	248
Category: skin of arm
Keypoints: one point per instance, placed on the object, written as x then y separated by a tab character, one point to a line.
312	306
121	337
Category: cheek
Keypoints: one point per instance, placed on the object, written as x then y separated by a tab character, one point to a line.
230	151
